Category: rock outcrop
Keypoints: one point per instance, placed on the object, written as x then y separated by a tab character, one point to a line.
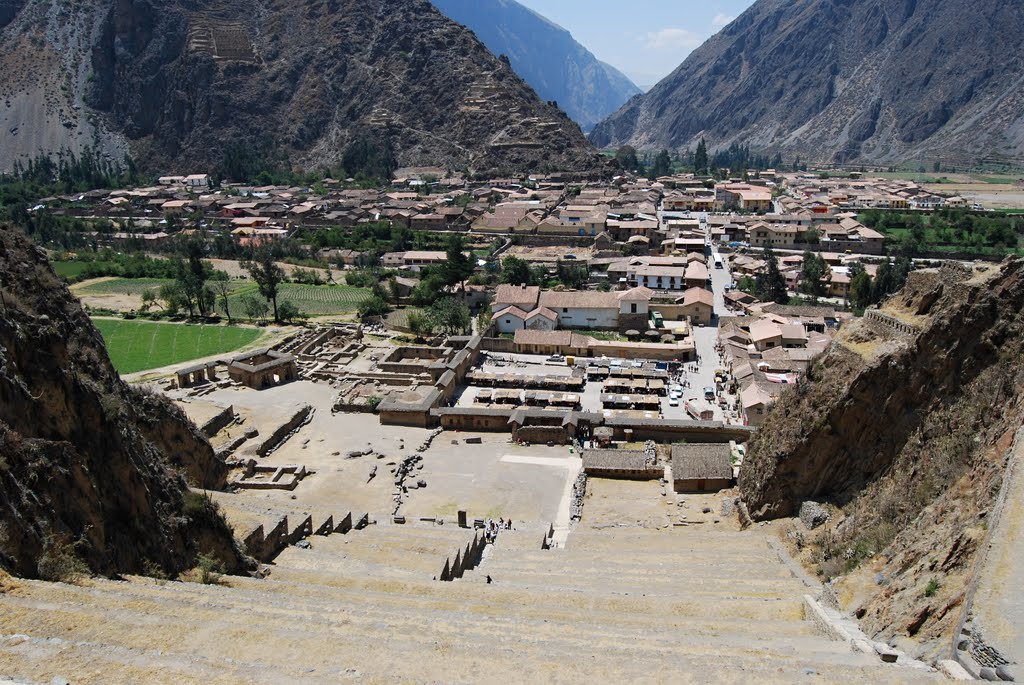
907	430
177	83
88	465
886	81
546	56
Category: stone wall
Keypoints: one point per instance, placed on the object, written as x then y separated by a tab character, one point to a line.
211	427
284	430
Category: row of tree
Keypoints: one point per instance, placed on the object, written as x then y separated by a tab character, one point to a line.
770	284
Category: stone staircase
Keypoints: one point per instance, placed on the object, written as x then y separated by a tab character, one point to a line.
616	605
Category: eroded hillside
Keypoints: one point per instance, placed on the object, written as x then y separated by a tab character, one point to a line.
904	427
90	467
177	83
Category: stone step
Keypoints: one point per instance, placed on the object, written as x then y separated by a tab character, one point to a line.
216	629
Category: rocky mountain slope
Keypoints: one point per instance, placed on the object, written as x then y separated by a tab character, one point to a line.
177	82
851	80
905	428
89	466
546	56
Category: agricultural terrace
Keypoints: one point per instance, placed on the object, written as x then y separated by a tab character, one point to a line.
125	294
312	300
141	345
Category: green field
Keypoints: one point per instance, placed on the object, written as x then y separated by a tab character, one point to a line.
141	345
124	286
74	269
314	300
400	317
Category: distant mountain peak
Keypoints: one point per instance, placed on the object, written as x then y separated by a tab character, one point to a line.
546	56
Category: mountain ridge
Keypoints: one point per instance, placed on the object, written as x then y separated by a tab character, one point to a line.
864	81
176	83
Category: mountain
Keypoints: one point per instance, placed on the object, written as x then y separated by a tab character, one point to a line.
90	467
176	83
846	80
906	429
546	56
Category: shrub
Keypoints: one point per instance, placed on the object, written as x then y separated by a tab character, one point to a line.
210	569
933	587
59	563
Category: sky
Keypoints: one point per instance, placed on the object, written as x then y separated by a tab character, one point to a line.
646	39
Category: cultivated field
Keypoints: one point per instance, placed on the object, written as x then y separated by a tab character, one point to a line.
141	345
314	300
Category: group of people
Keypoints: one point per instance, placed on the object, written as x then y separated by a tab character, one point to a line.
493	527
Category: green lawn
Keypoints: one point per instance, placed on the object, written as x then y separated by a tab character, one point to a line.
141	345
314	300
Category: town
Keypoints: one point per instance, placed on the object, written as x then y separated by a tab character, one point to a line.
507	382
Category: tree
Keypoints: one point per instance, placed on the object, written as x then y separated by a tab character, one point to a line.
375	306
149	299
662	165
222	288
516	271
700	158
172	297
770	283
860	288
267	274
458	266
419	324
394	290
626	156
450	316
812	275
290	312
255	308
747	285
572	274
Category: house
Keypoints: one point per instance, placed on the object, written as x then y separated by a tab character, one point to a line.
701	467
512	319
197	182
660	277
755	402
584	309
551	342
765	334
524	297
625	464
698	305
778	236
744	197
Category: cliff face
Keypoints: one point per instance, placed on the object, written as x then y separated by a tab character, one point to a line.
85	461
843	81
907	435
546	56
177	82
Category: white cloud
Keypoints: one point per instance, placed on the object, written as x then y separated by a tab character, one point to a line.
673	39
721	21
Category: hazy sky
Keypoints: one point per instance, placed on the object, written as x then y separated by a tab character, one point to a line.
645	39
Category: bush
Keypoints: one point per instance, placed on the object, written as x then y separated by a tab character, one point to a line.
210	569
375	306
288	312
933	587
59	563
200	508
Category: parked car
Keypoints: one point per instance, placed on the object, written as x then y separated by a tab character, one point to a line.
709	394
673	401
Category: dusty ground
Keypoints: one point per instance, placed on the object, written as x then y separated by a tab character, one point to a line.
990	195
492	479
